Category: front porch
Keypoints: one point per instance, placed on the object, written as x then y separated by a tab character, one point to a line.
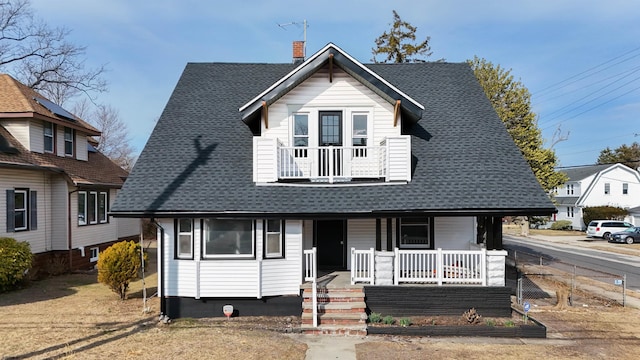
402	283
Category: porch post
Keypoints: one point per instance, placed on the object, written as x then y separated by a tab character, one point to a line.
496	267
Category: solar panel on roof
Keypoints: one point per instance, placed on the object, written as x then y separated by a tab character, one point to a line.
91	148
55	108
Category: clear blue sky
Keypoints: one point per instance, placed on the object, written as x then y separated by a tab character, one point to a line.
146	45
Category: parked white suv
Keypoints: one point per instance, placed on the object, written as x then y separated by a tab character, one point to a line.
604	228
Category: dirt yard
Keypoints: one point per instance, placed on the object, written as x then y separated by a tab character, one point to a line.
74	317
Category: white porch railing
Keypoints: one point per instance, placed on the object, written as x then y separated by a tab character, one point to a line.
362	266
424	266
331	163
311	274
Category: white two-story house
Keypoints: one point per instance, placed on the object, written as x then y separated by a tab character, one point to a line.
596	185
57	189
258	174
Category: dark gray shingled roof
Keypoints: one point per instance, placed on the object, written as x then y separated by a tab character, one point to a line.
198	159
581	172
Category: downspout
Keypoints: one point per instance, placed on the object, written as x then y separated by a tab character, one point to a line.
163	305
69	237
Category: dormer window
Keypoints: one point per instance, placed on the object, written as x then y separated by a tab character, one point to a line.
68	141
49	140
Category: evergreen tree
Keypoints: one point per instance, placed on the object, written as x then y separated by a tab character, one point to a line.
398	44
512	102
628	155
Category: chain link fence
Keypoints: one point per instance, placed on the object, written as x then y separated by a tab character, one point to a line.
544	281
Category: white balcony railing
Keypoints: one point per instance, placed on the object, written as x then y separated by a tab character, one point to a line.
390	160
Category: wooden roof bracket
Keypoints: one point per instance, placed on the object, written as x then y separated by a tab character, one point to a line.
396	113
265	114
330	68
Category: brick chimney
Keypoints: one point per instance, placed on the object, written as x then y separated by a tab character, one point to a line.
298	52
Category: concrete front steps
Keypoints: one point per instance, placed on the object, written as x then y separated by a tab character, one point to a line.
341	311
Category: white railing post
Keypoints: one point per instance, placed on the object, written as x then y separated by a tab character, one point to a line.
396	266
354	265
315	288
372	268
483	266
439	266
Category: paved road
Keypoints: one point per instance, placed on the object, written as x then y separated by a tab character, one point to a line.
564	251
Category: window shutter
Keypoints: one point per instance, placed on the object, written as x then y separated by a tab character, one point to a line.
10	211
33	210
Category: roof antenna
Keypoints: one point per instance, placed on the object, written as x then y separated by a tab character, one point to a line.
304	26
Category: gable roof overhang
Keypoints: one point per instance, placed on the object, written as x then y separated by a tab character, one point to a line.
599	175
411	110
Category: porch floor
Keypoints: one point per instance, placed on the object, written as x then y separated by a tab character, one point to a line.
334	280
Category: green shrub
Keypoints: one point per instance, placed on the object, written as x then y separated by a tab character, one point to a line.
15	262
388	320
509	323
561	225
118	265
375	318
490	322
603	213
405	322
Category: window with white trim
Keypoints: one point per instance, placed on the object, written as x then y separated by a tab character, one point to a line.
625	189
21	210
228	238
300	133
49	140
93	207
95	254
607	188
416	233
359	124
570	211
184	239
570	189
68	141
274	239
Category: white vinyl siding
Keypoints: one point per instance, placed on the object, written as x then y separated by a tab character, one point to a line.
454	233
19	129
88	235
343	94
82	152
59	222
39	239
284	276
361	235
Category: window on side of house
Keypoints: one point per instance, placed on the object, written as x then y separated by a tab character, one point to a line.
607	188
274	239
569	211
625	189
570	189
184	239
359	134
95	254
228	238
93	207
21	211
68	141
49	138
416	233
300	133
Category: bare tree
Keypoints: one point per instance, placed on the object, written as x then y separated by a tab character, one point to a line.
114	141
40	56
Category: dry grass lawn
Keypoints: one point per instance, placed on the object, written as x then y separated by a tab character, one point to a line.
74	317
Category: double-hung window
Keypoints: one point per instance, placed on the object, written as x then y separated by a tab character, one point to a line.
300	133
93	207
49	140
68	141
228	238
184	239
607	188
359	134
416	233
274	236
625	189
21	210
570	211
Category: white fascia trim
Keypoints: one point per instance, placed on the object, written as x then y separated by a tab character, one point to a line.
313	57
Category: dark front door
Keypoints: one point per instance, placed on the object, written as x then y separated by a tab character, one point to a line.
331	244
330	161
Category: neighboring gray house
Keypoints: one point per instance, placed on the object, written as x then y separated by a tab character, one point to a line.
257	174
596	185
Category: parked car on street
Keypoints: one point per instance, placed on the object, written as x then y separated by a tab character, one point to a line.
604	228
628	236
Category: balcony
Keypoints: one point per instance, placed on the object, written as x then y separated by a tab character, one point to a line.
388	161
